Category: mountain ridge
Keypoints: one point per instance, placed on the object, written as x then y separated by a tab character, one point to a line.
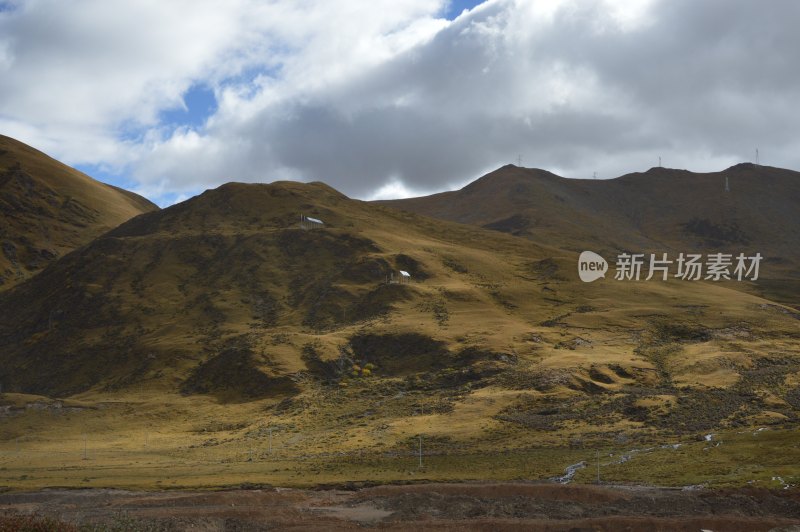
48	209
660	210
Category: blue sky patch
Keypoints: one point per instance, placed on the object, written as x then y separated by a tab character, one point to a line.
456	7
200	104
8	5
102	172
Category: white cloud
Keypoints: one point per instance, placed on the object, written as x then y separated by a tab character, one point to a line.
385	98
393	189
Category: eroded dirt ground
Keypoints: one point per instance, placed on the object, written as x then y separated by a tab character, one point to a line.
465	506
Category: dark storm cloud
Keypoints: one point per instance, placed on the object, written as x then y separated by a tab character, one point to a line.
717	72
700	83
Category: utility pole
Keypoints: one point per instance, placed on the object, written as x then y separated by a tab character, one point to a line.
594	175
270	440
659	161
756	156
598	467
519	160
420	451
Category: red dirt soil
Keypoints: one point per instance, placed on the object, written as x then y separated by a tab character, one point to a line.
465	506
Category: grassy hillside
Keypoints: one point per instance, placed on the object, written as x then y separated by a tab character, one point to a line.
48	209
230	272
217	322
661	210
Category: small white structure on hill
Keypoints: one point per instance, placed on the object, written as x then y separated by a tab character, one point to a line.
307	222
402	278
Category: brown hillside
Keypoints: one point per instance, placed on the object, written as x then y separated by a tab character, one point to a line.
48	209
662	210
226	273
225	295
208	324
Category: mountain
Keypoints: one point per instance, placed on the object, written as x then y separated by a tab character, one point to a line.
48	209
661	210
196	330
184	296
225	295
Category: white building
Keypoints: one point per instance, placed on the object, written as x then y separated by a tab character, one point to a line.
402	277
307	222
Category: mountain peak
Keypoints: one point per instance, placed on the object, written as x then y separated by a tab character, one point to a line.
740	167
510	173
242	206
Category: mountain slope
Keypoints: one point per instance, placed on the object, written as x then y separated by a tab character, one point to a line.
201	329
48	209
226	273
661	210
224	295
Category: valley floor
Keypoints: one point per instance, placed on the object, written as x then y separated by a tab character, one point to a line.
423	506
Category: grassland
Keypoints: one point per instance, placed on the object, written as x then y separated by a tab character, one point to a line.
139	443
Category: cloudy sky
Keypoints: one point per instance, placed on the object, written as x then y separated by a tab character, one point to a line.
389	98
